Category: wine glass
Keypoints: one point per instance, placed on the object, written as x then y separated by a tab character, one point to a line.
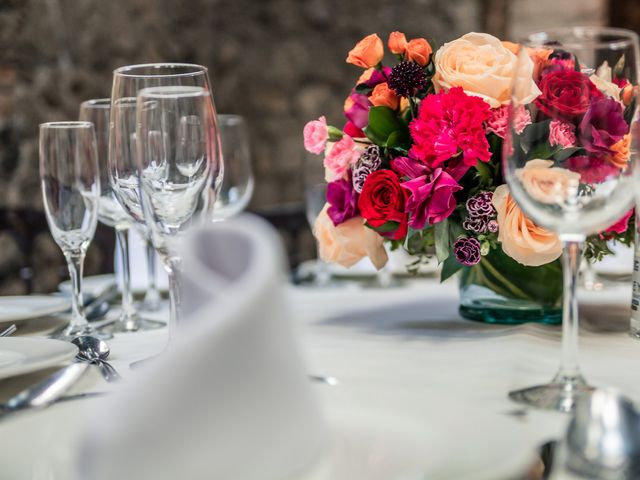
128	81
111	213
563	170
152	300
70	182
177	148
237	183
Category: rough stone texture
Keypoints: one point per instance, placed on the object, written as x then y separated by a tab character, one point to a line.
277	62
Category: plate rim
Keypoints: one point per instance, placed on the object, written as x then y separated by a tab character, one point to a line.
37	363
64	305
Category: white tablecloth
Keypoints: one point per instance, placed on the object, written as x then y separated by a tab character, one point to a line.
403	349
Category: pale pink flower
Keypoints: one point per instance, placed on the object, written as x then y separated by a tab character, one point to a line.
341	156
499	117
561	133
316	134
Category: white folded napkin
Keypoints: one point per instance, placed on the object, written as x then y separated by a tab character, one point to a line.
231	399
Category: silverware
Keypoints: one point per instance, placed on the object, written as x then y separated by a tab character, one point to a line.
47	391
100	305
603	439
331	381
96	351
9	330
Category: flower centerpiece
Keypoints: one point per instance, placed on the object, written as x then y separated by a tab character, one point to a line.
417	164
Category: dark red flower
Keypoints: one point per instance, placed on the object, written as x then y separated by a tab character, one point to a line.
602	125
383	200
592	169
566	94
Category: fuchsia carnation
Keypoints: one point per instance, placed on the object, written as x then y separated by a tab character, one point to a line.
342	155
315	134
431	198
342	200
499	119
562	134
449	124
621	225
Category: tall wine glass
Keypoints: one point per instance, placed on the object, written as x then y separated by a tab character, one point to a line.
567	171
177	149
123	162
111	213
70	185
237	183
152	300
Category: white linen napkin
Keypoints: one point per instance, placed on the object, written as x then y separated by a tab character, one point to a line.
230	399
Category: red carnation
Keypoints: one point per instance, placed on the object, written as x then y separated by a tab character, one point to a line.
566	94
383	200
449	124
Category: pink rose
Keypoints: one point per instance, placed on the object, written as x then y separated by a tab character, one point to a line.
562	133
341	156
499	117
316	134
431	198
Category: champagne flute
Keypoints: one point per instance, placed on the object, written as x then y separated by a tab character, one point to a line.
152	299
70	182
238	182
111	213
123	162
576	121
177	149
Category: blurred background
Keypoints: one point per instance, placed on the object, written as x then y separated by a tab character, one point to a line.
279	63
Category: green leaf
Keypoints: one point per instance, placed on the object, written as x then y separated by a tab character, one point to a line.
450	267
335	134
618	69
543	151
484	173
398	140
382	123
362	88
441	232
535	132
386	228
565	153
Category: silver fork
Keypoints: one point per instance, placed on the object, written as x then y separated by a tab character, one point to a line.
9	330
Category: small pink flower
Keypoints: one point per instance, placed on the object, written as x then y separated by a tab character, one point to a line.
622	224
316	134
561	133
499	117
342	155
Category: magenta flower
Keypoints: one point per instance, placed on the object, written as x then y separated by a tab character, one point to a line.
342	200
431	198
592	169
358	112
467	251
378	77
622	224
409	167
602	125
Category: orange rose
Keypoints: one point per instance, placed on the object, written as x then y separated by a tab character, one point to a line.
349	242
546	183
404	104
397	43
620	150
628	93
513	47
521	239
383	96
419	51
368	52
539	57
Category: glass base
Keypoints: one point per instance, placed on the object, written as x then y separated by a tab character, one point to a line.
72	331
510	314
132	324
560	395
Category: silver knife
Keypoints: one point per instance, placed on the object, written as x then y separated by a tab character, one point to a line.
47	391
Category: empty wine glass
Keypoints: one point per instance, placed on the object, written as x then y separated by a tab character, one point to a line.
111	213
152	300
123	162
564	170
177	153
237	182
70	182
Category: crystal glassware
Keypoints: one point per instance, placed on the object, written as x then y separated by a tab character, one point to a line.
237	184
70	182
111	213
564	171
124	170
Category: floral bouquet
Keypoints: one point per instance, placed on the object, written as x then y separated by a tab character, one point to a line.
418	161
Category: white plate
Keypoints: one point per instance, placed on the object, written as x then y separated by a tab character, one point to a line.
19	355
19	308
93	285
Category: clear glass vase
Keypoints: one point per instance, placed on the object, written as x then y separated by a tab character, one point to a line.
501	290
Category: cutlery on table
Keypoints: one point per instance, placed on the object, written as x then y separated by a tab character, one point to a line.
47	391
9	330
96	351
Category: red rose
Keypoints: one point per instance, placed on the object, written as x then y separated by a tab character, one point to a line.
383	200
566	94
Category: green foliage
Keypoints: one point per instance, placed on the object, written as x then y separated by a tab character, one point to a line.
386	129
335	134
450	267
441	234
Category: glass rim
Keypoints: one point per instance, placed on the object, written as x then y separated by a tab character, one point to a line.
578	37
127	70
67	124
173	91
97	103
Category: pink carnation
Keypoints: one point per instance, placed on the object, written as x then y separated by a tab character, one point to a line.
342	155
562	133
450	123
316	134
592	169
621	225
499	118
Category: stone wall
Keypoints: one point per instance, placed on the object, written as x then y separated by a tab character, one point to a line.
277	62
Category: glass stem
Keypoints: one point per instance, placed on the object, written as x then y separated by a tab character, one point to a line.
122	241
571	256
152	297
173	267
75	262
